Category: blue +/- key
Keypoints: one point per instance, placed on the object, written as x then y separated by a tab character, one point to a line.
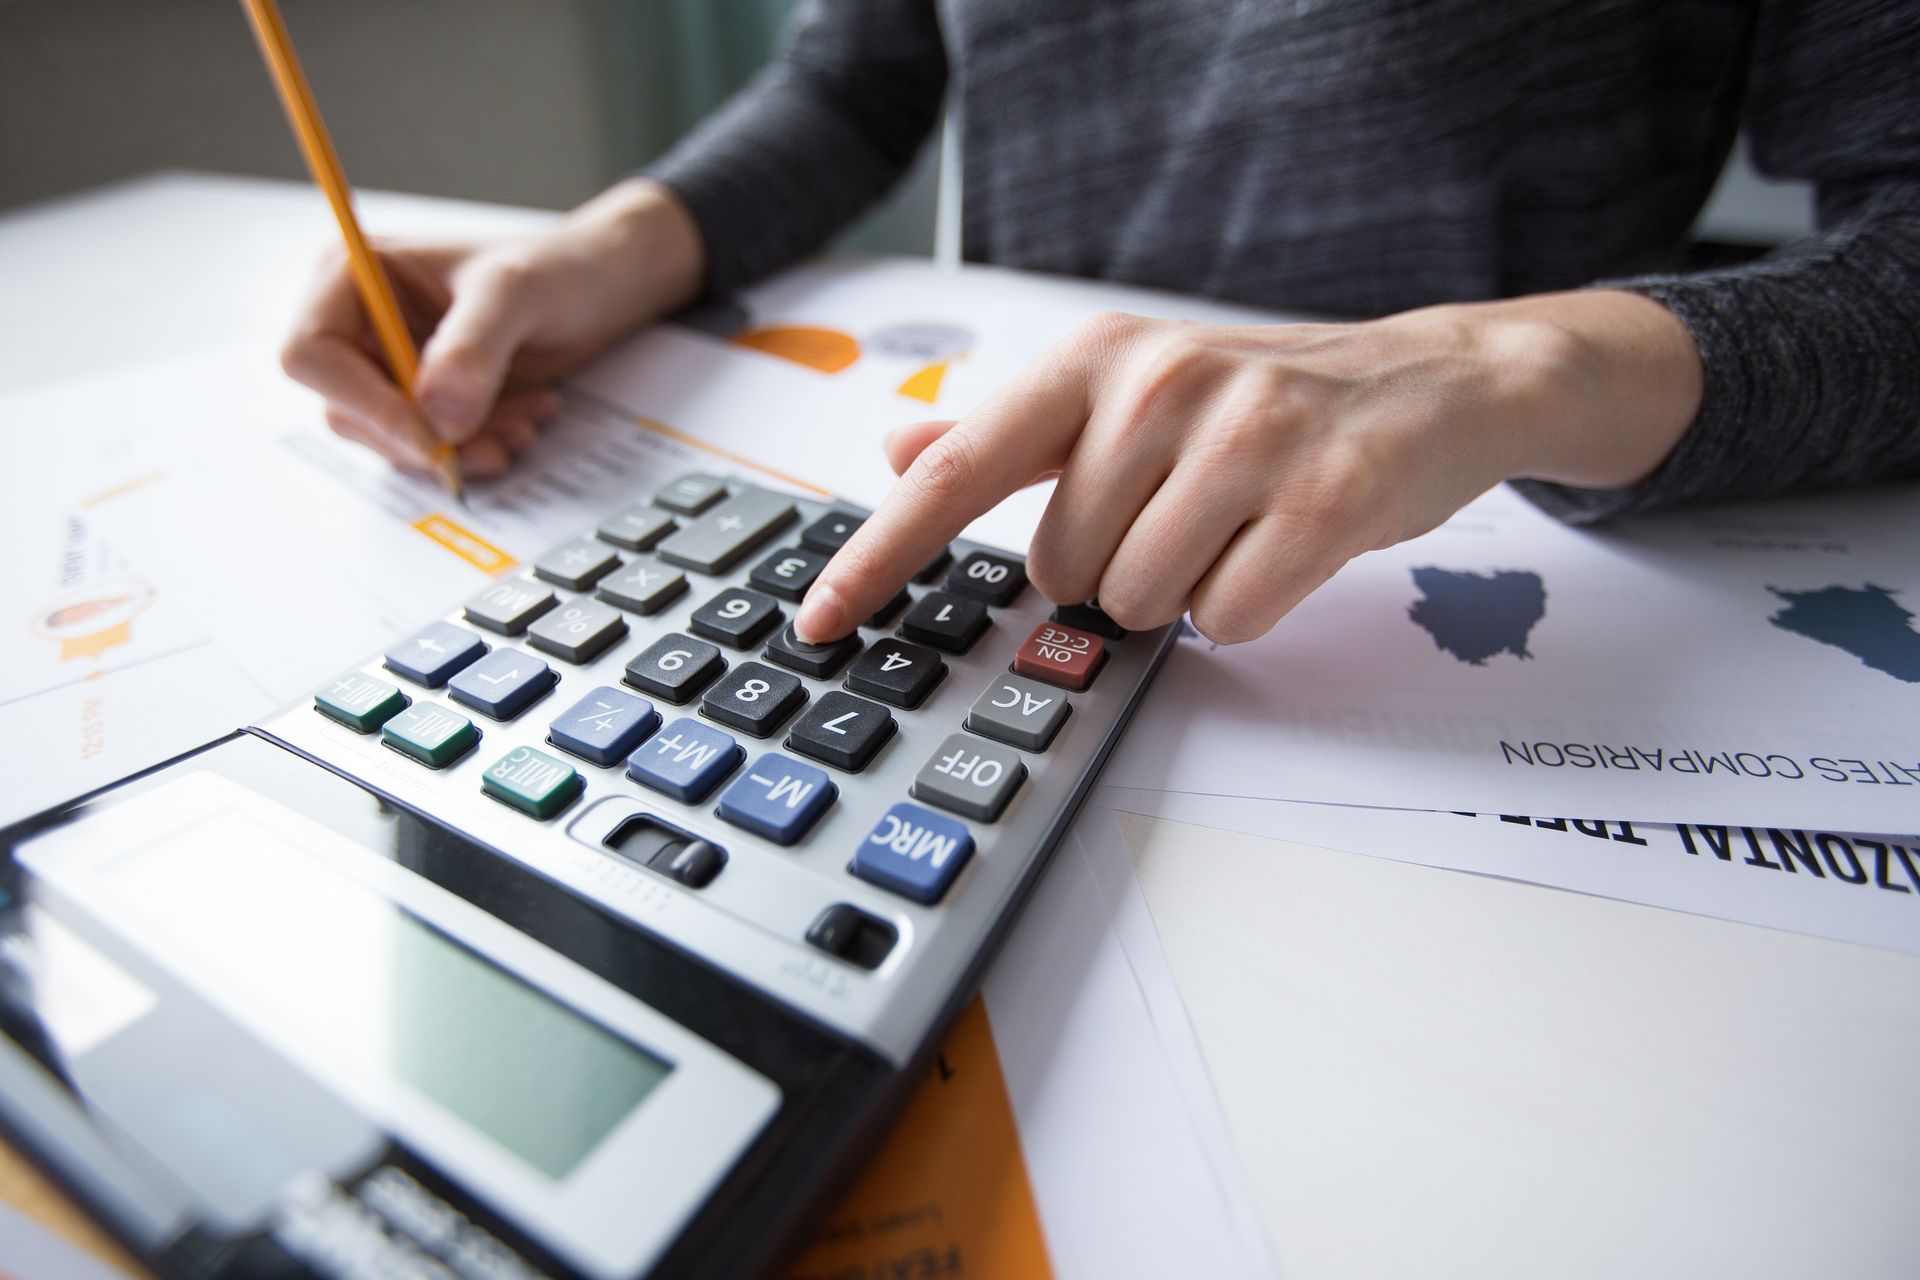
685	760
604	725
502	684
914	853
432	654
777	798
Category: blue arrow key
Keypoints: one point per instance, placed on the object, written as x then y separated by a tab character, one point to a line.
777	798
604	725
502	684
914	853
685	760
433	653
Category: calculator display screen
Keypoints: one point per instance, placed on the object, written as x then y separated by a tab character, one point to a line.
390	993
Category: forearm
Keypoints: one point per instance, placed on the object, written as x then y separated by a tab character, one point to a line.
642	243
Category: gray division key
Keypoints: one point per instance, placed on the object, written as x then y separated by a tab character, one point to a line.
970	777
721	538
1019	712
509	605
644	586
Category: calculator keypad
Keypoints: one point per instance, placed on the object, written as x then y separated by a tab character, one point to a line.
869	780
578	632
972	778
577	565
842	730
675	667
777	798
945	621
433	653
507	607
502	684
603	726
736	617
754	699
896	672
644	586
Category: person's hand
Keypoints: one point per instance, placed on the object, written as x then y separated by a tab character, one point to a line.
496	322
1230	470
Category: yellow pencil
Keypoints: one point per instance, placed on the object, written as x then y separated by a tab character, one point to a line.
376	291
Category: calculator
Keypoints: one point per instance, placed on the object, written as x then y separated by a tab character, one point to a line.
595	928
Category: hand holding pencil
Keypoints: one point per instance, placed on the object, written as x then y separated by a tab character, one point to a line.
500	321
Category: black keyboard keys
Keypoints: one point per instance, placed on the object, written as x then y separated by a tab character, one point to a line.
788	573
994	579
820	661
736	617
945	621
754	699
1087	617
830	532
885	613
842	730
897	673
675	667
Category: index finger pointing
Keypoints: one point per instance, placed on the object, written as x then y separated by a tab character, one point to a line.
1024	430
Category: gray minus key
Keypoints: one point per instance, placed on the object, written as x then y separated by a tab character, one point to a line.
721	538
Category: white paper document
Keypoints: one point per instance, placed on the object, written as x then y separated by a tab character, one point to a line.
1829	884
1752	663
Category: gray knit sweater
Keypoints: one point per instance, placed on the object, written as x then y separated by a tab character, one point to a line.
1366	156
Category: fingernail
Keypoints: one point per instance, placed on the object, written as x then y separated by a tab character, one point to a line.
822	615
452	417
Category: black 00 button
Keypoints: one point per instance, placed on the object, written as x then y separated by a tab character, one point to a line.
995	579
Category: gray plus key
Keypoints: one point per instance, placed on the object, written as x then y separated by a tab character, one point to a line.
970	777
1019	712
721	538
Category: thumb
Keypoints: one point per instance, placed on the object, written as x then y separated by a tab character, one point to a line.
903	444
464	364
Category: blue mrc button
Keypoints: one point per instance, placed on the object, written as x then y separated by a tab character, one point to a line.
685	760
913	853
777	798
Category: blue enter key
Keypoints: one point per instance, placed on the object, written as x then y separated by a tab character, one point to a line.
914	853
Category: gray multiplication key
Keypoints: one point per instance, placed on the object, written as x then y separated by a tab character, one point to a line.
644	585
719	539
509	605
1019	712
970	777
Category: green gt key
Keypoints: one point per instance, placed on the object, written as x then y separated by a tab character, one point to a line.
532	781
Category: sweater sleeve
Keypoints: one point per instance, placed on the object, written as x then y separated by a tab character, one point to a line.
1811	353
819	135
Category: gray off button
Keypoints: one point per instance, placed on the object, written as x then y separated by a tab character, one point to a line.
970	777
1019	712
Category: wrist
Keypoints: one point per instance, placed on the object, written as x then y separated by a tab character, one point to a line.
641	243
1601	384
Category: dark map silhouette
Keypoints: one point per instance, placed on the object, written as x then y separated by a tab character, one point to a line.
1865	621
1476	615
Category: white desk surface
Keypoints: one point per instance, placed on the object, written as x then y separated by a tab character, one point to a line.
1425	1073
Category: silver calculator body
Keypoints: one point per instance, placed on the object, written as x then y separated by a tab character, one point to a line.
494	959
